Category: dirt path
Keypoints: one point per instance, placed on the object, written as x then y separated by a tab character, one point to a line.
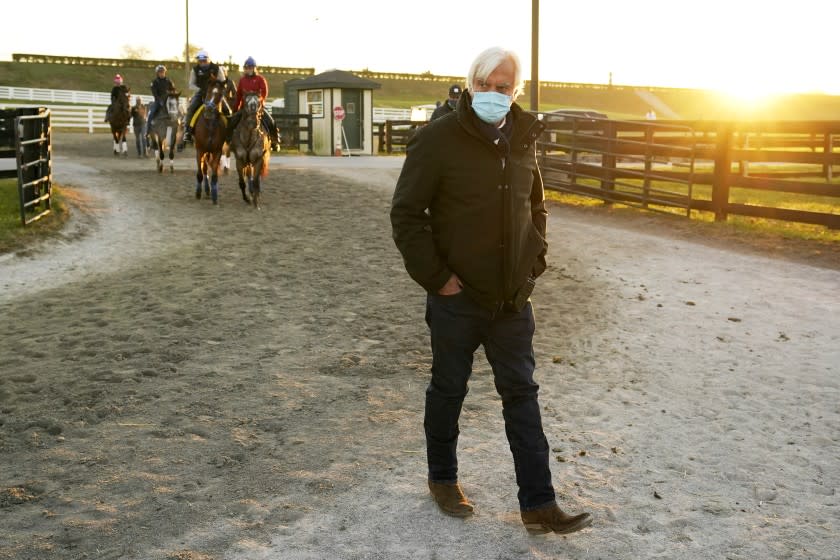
183	381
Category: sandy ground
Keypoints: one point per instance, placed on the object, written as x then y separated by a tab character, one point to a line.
183	381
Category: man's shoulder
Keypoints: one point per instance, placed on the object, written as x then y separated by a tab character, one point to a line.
438	133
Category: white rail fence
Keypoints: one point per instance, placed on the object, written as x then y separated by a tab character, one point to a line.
86	109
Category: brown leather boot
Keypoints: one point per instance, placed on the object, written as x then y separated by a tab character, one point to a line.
450	499
552	518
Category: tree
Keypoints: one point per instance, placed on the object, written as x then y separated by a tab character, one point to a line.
135	53
193	50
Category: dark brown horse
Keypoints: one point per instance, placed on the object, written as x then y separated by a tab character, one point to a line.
209	139
120	115
250	144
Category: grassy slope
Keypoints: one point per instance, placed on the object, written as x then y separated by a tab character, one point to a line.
617	102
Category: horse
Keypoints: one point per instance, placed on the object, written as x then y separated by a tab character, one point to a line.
250	144
164	131
209	139
120	115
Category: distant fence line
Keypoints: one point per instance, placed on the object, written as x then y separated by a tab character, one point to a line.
135	63
289	71
82	115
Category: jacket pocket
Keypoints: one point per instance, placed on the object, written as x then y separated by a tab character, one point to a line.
528	263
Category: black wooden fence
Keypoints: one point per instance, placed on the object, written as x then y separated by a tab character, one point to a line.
295	130
659	164
393	135
25	135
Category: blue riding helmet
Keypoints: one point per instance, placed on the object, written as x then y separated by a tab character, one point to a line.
202	55
250	62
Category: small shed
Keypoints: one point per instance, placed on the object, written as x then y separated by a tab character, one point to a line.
341	105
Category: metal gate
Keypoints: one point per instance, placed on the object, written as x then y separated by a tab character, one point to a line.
34	164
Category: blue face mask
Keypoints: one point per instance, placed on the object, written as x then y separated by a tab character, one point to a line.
491	106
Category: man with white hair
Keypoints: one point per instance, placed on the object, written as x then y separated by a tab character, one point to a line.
468	216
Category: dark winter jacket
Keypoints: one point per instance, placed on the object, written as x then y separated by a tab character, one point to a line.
119	90
441	110
461	206
202	74
160	89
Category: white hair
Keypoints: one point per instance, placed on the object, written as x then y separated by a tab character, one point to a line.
489	60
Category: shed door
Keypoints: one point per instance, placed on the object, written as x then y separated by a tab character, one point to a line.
351	100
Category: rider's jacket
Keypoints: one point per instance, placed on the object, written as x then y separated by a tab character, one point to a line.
160	89
116	90
248	84
200	76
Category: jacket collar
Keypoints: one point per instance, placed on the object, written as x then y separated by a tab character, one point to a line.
526	127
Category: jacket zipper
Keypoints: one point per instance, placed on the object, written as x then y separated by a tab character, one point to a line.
504	248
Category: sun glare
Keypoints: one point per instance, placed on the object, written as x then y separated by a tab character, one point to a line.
748	98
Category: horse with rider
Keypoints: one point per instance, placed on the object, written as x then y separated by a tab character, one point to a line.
203	74
118	115
253	82
161	88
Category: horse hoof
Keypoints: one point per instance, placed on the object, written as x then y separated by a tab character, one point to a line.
198	195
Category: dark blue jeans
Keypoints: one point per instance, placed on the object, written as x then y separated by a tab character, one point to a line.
458	327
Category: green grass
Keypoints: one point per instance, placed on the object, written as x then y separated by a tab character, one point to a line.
14	236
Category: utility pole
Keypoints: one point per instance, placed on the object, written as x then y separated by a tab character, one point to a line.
535	55
187	49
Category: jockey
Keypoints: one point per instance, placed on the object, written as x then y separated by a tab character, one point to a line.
118	89
199	80
253	82
160	86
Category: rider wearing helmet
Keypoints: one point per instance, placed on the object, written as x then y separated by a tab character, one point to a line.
160	86
200	77
252	82
119	89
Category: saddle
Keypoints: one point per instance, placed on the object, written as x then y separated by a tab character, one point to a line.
201	110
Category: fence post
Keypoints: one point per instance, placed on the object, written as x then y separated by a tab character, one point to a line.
388	131
608	160
723	170
90	120
828	152
648	165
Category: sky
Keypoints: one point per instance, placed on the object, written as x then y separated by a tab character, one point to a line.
748	48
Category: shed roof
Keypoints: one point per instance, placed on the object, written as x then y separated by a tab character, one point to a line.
335	79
